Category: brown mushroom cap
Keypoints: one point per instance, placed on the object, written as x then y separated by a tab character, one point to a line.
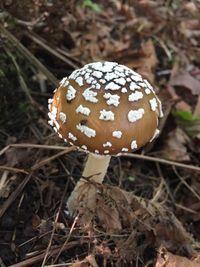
105	108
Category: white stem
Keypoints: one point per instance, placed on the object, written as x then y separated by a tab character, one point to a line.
95	170
96	167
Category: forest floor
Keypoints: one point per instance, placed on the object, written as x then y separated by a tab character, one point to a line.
148	211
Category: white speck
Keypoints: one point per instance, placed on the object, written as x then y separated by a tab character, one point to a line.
112	99
71	92
128	79
106	115
79	80
97	74
64	82
50	100
90	80
108	66
83	110
96	151
136	78
90	95
153	104
120	74
86	130
124	149
142	84
112	86
98	86
119	68
87	75
55	129
50	122
133	144
84	147
94	81
106	152
60	135
134	86
148	84
49	106
117	134
54	111
72	137
74	74
65	140
160	107
135	115
107	144
147	91
121	81
135	96
82	73
110	76
52	115
102	81
96	65
57	124
156	133
124	90
62	117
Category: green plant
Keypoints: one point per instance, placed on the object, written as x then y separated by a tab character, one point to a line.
93	6
188	122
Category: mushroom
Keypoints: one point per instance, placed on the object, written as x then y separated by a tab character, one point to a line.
105	109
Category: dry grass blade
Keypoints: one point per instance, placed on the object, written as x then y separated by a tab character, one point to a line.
47	160
11	169
28	55
54	251
163	161
42	43
54	228
14	195
24	145
22	83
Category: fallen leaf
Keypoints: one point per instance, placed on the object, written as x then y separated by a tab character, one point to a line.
185	79
190	28
167	259
175	146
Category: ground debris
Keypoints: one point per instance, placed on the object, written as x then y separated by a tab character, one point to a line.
167	259
140	223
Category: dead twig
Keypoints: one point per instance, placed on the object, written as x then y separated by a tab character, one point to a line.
47	160
42	43
14	195
54	251
11	169
55	222
28	55
163	161
27	145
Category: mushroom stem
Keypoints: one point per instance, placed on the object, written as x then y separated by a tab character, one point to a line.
84	191
96	167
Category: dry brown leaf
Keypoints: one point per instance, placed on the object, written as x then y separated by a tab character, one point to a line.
175	146
190	7
190	28
167	259
144	61
108	215
185	79
118	211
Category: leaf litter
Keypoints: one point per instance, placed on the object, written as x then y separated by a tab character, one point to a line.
126	225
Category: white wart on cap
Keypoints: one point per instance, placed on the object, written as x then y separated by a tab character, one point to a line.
105	108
